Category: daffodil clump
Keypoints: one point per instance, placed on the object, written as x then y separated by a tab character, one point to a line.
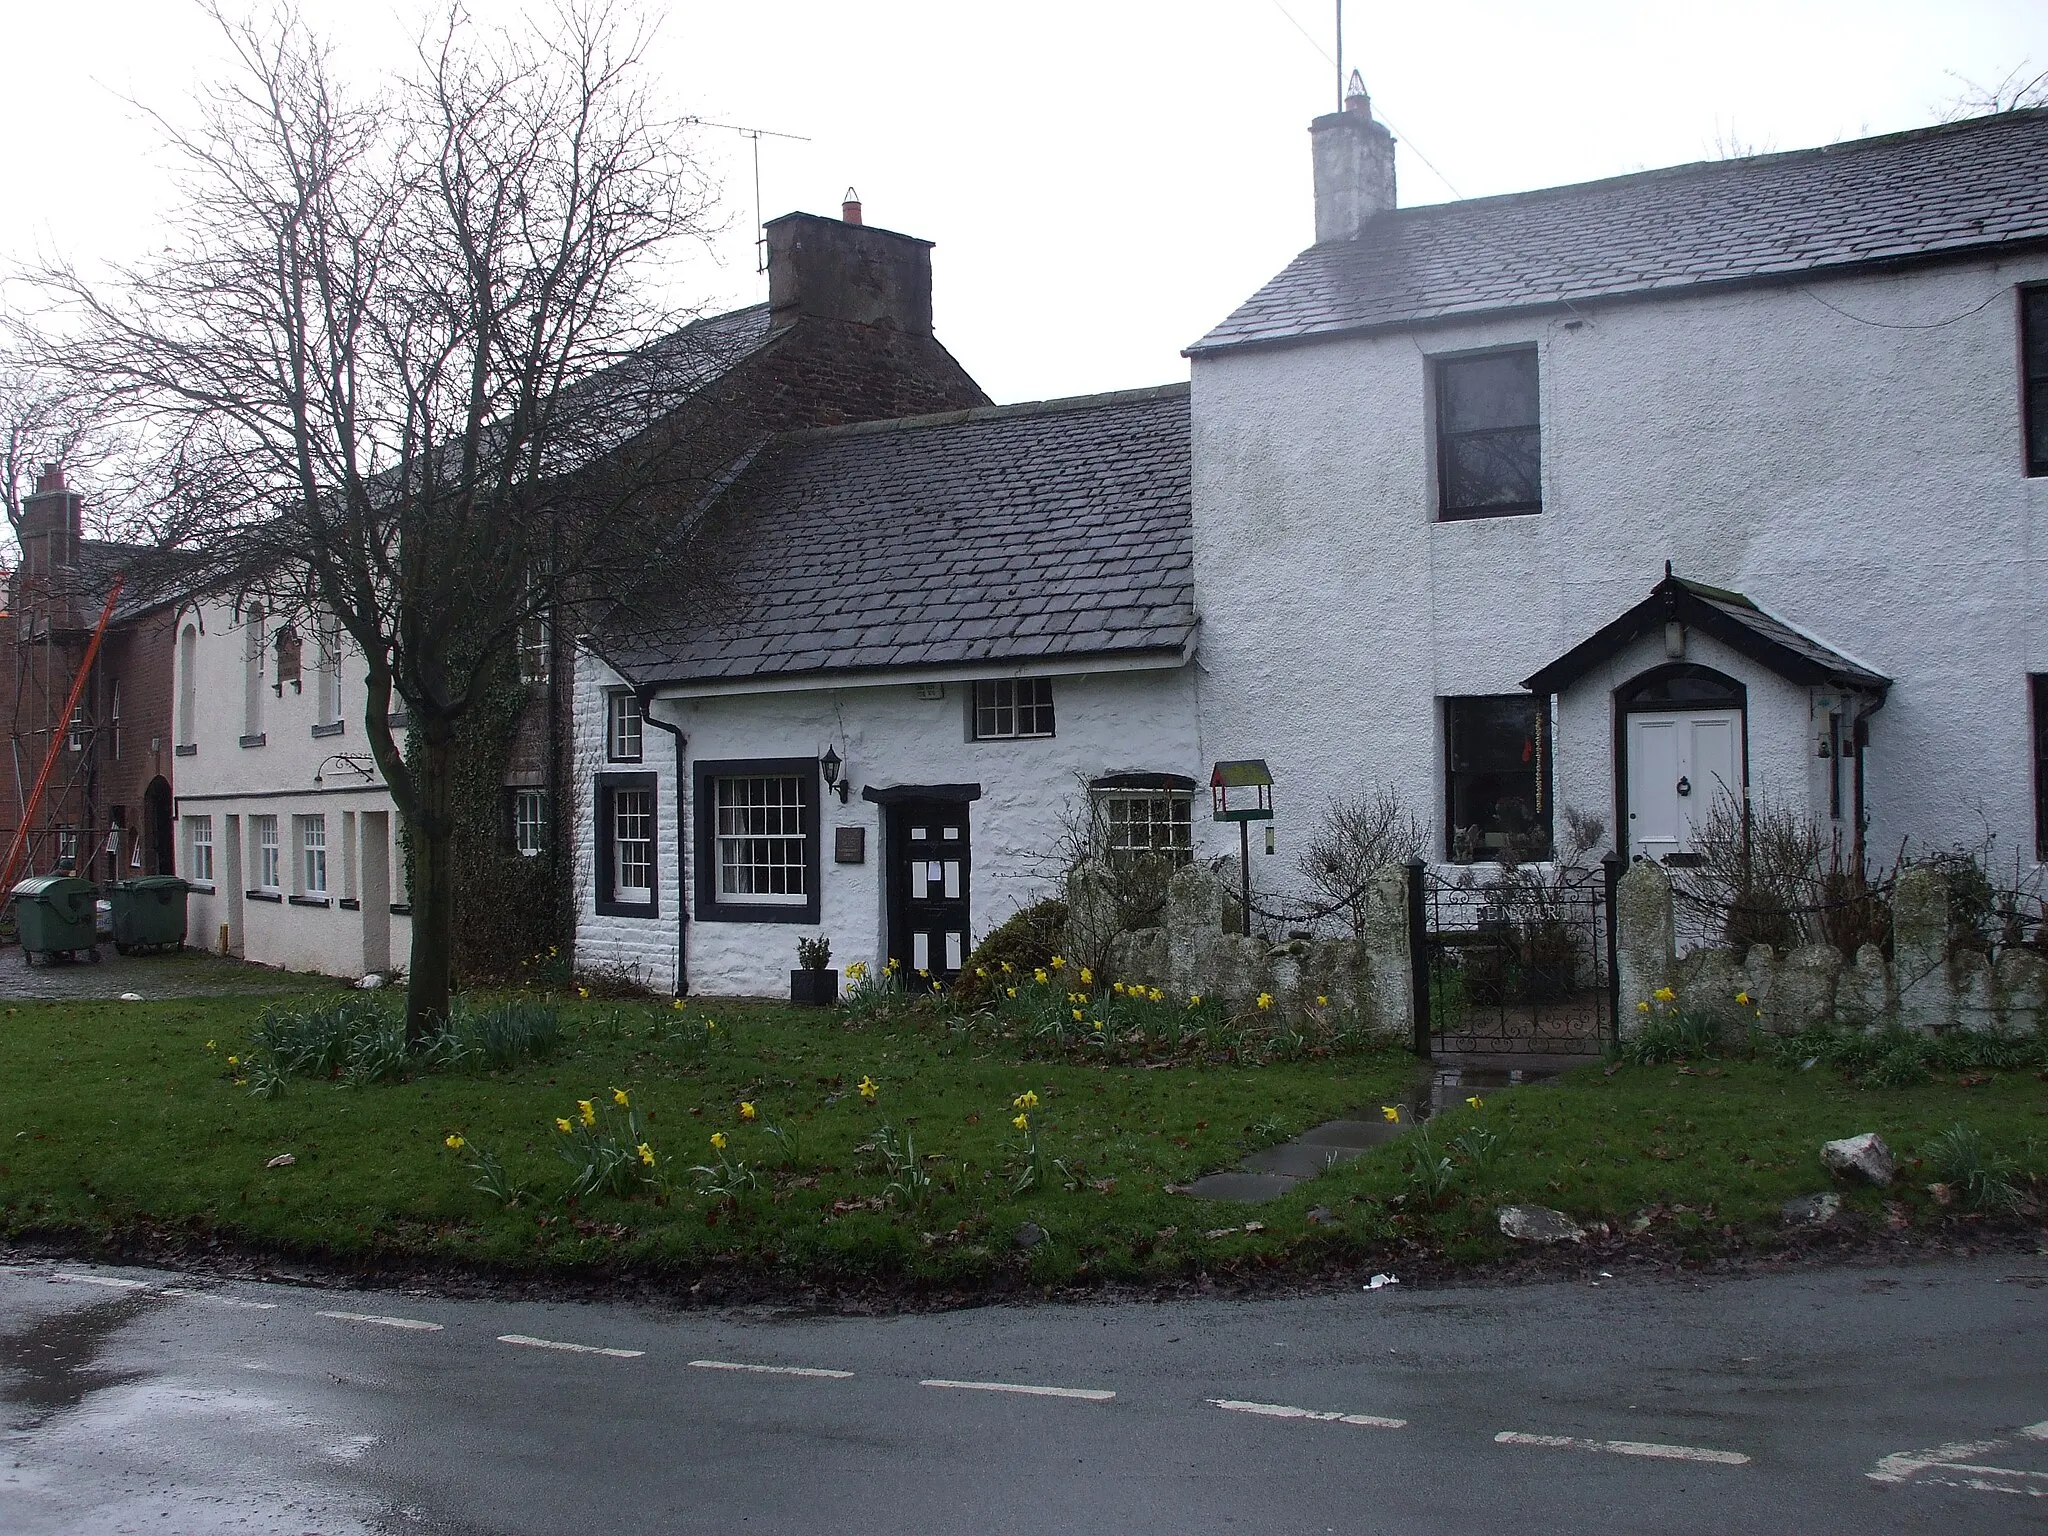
609	1151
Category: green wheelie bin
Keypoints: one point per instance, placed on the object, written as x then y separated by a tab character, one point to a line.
54	916
149	913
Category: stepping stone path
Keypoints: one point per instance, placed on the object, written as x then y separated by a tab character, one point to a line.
1268	1174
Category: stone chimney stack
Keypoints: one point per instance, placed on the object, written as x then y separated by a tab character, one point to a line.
52	523
841	269
1354	161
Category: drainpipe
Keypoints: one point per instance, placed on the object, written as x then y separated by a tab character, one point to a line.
647	714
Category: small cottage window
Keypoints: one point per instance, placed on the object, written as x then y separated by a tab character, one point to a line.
252	675
1142	814
2034	348
67	848
757	840
313	856
628	825
114	720
1012	708
328	696
199	848
1489	457
530	821
622	728
267	862
1497	777
2038	685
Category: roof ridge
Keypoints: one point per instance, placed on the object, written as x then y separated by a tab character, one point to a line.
978	413
1703	168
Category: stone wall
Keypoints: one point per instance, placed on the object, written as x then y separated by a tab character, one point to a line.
1922	986
1198	949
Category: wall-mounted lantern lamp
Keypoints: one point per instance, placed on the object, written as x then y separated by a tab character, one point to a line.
829	765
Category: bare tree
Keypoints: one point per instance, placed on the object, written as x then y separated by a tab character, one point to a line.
401	363
2017	92
1353	841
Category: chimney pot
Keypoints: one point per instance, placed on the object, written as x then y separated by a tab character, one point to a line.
1354	167
51	479
849	207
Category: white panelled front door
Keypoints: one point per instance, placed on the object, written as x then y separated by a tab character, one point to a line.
1678	766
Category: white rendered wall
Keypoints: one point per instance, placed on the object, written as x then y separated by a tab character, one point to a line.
1860	477
1107	723
224	779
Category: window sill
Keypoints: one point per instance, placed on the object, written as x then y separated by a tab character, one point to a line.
723	912
185	749
204	887
399	720
309	901
1482	514
401	909
349	904
261	738
333	729
609	908
277	896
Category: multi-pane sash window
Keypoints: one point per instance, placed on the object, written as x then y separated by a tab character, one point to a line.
1013	707
529	821
2034	347
199	847
1488	435
622	728
759	837
267	869
1497	788
632	845
1134	822
313	855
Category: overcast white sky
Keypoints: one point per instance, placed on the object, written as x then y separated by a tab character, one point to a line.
1105	179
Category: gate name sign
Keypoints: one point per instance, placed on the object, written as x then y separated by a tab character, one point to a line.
1242	791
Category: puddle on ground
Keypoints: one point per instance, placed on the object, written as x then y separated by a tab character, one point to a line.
50	1366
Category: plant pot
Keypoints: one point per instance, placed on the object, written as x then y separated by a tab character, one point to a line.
814	989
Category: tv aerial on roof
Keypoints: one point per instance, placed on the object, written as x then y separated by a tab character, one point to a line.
754	136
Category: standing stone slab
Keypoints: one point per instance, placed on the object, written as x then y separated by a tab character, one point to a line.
1920	950
1645	938
1802	993
1974	999
2023	989
1863	992
1389	972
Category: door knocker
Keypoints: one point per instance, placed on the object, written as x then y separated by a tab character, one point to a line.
1685	786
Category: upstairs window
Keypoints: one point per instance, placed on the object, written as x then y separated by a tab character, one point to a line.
2034	348
291	653
1497	777
530	822
328	698
1012	709
622	728
1489	458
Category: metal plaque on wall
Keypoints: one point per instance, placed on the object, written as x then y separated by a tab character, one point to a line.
849	845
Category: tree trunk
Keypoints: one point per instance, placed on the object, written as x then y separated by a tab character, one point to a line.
432	829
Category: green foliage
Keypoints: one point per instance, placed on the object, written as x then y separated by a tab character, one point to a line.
1425	1167
360	1039
605	1146
814	954
1901	1058
1672	1034
1025	941
1959	1158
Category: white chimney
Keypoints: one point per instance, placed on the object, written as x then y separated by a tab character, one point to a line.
1354	161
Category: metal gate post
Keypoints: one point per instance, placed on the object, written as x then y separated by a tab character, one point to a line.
1610	867
1418	958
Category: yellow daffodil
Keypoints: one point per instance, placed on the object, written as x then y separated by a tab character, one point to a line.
1665	995
1155	995
1077	1015
1098	1025
586	1112
1087	976
710	1024
1476	1102
1058	964
209	1045
677	1005
1194	999
893	965
1117	987
454	1143
1388	1112
718	1141
233	1060
1022	1122
619	1098
1642	1007
1322	1002
1265	1000
561	1125
1742	998
1025	1100
646	1154
981	971
583	991
868	1088
1007	968
1039	976
1009	991
747	1110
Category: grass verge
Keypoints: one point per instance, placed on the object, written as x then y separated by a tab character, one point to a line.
119	1123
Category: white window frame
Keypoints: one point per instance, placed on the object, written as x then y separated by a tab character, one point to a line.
268	853
530	822
624	728
1125	833
312	871
188	685
1012	709
632	830
328	697
759	840
199	848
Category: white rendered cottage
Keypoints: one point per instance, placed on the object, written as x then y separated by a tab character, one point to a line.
1726	478
938	635
285	829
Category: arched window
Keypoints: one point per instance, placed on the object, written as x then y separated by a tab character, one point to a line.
1681	685
252	675
188	688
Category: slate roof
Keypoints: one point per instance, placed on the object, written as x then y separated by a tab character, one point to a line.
1060	530
1962	188
1730	618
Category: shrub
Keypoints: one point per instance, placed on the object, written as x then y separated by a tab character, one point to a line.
1959	1159
1027	940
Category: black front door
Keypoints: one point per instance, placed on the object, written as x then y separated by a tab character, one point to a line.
928	869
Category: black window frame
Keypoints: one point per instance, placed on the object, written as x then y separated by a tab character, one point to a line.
1443	435
711	907
2033	326
612	702
1177	790
974	708
2037	688
608	785
1543	770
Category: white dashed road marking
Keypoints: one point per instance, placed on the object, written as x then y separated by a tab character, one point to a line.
1927	1466
1624	1448
1281	1411
771	1370
528	1342
111	1282
1086	1394
412	1323
117	1283
219	1301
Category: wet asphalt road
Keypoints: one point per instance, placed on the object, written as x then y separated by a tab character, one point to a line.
166	1404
